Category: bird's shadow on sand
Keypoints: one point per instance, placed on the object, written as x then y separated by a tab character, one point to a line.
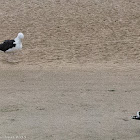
11	58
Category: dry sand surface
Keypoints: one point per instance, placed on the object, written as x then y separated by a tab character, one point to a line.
70	104
77	77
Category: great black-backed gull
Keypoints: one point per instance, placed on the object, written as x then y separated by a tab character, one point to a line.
12	45
137	116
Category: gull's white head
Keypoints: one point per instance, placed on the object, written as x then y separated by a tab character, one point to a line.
138	114
20	35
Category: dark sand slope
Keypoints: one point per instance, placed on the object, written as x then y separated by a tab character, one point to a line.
73	30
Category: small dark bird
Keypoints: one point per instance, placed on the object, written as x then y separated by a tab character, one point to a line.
137	117
12	45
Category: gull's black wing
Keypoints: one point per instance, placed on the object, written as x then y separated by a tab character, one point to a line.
7	44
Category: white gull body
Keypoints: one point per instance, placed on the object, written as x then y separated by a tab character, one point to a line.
17	42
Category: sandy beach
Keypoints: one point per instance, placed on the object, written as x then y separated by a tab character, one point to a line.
77	103
78	75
